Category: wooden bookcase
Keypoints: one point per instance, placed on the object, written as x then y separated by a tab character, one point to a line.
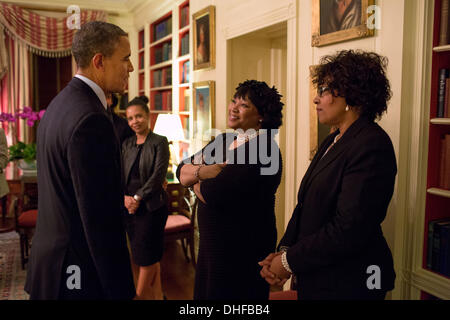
164	66
437	205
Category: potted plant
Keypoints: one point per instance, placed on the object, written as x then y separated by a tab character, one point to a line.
23	153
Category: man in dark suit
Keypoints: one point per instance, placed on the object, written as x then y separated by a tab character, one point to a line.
79	249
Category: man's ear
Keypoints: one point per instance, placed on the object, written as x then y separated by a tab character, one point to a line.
97	61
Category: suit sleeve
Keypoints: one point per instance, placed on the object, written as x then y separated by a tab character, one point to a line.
156	180
366	190
92	153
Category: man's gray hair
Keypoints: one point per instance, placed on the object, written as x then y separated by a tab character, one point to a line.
95	37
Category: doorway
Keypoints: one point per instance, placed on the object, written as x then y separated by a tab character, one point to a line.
262	55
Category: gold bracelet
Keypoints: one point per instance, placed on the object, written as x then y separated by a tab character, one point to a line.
197	172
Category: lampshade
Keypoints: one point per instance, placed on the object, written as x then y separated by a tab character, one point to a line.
169	125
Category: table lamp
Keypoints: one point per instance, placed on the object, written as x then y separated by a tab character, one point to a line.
169	125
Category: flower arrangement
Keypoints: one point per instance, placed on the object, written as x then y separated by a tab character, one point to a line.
21	150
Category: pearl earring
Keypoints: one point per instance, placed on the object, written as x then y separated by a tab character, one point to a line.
347	108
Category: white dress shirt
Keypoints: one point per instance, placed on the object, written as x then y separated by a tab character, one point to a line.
98	91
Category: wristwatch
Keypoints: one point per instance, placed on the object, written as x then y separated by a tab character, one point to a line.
137	198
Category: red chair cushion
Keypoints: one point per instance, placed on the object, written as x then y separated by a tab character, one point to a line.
176	223
27	219
283	295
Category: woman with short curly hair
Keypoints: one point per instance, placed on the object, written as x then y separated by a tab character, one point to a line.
236	215
334	243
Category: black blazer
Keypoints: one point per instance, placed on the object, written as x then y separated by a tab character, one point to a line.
152	168
335	233
80	202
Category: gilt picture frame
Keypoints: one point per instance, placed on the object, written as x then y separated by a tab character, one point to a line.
336	21
204	110
204	32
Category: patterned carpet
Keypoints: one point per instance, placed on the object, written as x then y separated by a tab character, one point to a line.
12	277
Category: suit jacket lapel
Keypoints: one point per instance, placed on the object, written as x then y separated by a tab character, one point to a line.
341	145
306	178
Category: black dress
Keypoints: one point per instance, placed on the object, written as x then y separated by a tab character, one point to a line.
145	228
237	223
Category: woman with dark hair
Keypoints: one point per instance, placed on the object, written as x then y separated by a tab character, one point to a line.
334	243
236	188
145	160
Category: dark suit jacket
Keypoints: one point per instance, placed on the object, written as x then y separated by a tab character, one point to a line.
152	168
334	234
80	202
123	130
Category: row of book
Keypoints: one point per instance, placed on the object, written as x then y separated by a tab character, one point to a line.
444	32
141	39
162	77
163	101
444	168
185	72
443	94
438	255
141	60
141	81
185	104
184	44
163	53
184	17
162	29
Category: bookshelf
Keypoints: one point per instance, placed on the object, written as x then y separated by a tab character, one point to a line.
434	281
164	65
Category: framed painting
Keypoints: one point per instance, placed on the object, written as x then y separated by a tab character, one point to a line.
204	30
203	111
317	131
340	20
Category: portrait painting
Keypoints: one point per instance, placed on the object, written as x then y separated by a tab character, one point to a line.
339	20
204	97
204	38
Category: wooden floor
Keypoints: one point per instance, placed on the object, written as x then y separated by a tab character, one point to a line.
177	275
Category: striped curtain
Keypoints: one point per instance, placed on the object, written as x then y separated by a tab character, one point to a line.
15	88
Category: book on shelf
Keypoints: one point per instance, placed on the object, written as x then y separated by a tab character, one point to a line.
445	25
447	98
185	72
438	244
444	169
187	100
185	44
434	243
141	60
443	75
162	29
141	81
184	20
444	258
141	39
185	125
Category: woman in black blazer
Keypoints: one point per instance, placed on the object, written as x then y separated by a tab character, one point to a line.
334	243
145	161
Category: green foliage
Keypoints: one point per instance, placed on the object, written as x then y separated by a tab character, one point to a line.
22	151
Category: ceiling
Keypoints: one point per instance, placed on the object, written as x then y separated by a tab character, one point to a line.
120	6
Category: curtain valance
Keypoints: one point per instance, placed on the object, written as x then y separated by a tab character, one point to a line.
43	35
